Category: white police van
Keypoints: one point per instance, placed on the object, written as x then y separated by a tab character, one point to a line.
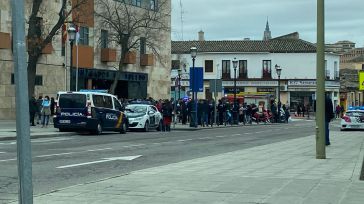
90	110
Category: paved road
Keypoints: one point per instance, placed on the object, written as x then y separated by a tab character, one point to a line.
66	161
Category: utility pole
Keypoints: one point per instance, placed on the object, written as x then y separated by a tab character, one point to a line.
320	91
24	155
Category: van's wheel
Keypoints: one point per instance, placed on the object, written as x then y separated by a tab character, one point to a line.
146	126
98	130
123	128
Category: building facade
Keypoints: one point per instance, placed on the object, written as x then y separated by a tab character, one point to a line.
340	47
256	78
95	59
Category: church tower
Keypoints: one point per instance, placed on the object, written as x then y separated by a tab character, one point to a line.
267	33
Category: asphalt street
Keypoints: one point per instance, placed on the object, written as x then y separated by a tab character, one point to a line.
65	161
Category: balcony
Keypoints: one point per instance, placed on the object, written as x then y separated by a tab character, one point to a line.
5	41
267	74
243	75
130	58
327	74
85	56
108	55
146	60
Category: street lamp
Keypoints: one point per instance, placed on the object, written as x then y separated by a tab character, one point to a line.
71	37
179	83
279	70
235	65
193	122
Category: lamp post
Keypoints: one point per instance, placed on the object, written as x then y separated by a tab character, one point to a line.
193	122
235	106
179	83
71	37
279	70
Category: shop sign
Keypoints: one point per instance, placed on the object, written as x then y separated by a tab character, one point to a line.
250	83
301	83
266	89
231	90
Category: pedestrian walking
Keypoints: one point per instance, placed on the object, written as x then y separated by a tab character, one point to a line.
33	109
338	111
329	115
46	111
220	110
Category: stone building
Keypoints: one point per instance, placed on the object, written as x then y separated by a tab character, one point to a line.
146	75
340	47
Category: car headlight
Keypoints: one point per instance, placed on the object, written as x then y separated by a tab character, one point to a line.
138	118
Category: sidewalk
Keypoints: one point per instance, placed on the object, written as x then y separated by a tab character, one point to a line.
8	131
282	173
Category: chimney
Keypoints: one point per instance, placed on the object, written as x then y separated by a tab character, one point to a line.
201	36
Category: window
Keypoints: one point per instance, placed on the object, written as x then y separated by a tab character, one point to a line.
142	45
108	102
209	66
337	74
104	38
38	79
117	104
267	69
137	3
154	5
84	34
176	64
243	69
226	69
72	101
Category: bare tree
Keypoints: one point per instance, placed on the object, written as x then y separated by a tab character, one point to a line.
127	24
39	35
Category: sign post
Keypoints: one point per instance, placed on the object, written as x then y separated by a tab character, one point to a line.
361	83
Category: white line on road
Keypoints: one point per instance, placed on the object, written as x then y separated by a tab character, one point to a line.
236	135
221	136
127	158
8	160
2	152
68	153
50	140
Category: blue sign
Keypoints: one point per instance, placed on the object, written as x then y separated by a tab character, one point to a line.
196	79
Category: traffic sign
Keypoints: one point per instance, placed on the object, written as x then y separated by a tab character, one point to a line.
196	79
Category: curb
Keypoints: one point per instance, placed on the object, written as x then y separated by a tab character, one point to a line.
38	136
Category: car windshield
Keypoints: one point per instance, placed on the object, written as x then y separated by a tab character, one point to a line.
355	114
72	101
136	109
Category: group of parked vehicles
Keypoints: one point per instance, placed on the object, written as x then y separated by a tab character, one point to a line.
98	111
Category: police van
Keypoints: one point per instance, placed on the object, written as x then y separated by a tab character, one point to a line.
89	110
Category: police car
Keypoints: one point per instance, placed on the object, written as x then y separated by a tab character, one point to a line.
90	110
353	119
143	116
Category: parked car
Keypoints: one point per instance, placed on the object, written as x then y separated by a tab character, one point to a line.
353	119
143	116
89	110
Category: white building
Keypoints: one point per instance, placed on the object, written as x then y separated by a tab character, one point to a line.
256	78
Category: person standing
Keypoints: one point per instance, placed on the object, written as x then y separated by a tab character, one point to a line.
329	115
46	111
32	109
338	111
167	112
39	108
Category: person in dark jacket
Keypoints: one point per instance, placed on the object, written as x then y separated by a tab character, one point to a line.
33	109
329	115
221	110
167	112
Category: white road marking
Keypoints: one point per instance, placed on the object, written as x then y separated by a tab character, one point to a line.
204	138
68	153
248	133
184	140
50	140
8	160
2	152
221	136
127	158
236	135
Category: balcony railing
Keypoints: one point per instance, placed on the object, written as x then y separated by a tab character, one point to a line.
267	74
225	76
327	74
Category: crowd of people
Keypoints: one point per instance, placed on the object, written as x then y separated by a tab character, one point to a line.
185	110
41	110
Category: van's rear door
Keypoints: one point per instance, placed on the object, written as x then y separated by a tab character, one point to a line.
72	109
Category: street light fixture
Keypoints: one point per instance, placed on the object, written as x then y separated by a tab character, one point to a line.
193	121
71	37
279	71
235	106
179	83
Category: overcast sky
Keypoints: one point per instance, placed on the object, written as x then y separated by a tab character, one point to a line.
238	19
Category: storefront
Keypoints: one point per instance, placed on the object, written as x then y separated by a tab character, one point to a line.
130	85
303	93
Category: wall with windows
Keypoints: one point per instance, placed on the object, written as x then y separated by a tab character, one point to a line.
294	65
